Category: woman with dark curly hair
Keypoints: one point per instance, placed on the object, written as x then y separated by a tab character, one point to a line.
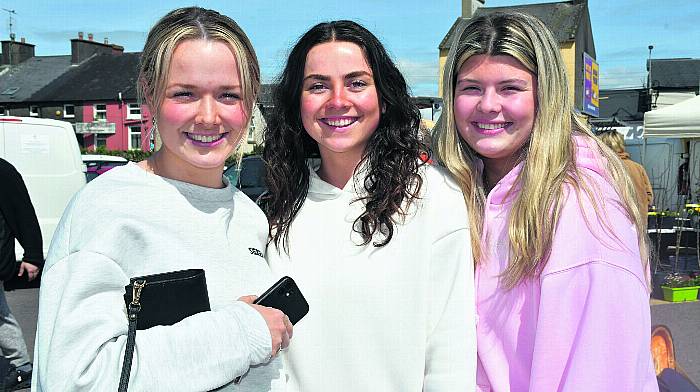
375	238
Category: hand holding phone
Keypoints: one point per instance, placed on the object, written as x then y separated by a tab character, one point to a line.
285	296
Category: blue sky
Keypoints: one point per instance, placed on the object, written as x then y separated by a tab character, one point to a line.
411	30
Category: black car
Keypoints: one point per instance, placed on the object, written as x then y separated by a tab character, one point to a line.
249	176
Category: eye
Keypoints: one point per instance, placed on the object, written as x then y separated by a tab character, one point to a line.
316	88
182	94
229	96
470	89
358	84
513	88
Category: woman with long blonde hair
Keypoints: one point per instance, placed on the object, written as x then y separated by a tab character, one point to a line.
559	244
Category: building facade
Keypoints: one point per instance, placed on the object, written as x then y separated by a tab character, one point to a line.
569	21
94	88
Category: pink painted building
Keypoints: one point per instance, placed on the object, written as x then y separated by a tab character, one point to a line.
94	88
126	125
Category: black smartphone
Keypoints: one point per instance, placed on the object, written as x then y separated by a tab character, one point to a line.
285	296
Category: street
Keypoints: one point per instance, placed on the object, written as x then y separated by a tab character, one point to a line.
25	305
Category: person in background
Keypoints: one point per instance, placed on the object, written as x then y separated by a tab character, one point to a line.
199	76
376	239
640	180
17	221
562	276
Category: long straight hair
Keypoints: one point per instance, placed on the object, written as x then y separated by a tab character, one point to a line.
549	154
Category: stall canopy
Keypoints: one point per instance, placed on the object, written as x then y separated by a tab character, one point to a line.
681	120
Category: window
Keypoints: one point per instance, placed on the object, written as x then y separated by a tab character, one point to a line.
4	111
101	140
251	132
133	111
135	137
100	112
69	111
33	111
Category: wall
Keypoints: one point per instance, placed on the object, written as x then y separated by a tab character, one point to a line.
117	113
568	54
259	124
441	69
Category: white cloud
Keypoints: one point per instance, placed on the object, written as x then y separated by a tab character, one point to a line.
421	76
622	76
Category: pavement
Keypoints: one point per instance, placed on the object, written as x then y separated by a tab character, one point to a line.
24	305
682	319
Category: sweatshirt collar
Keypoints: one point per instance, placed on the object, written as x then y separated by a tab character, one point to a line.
501	194
321	188
587	157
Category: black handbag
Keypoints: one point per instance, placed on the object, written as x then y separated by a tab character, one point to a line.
161	299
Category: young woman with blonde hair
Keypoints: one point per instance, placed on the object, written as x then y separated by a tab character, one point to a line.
199	76
560	251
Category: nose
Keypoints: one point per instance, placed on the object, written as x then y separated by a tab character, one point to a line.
338	98
490	102
207	112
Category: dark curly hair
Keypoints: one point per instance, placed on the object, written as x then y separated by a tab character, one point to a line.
391	155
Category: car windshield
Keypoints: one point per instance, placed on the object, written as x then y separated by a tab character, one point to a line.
252	173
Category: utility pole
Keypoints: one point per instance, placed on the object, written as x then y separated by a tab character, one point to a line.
649	87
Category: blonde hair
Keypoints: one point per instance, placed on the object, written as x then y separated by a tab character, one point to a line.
194	23
614	140
537	206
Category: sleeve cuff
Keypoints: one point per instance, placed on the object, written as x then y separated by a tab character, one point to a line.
257	332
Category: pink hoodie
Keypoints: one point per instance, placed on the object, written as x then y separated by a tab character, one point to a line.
584	324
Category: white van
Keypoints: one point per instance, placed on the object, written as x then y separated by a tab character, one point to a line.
46	154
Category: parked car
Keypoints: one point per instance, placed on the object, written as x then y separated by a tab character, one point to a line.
249	176
46	153
98	164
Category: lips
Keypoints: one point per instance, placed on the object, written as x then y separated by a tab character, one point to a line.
490	128
339	122
205	138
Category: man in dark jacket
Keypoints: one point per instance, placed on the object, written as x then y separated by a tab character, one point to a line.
17	221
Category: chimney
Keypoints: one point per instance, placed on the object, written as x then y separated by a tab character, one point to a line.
469	7
14	52
82	49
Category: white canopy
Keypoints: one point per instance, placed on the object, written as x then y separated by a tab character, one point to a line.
681	120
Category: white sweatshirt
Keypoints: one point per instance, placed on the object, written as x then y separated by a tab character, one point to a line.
127	223
398	318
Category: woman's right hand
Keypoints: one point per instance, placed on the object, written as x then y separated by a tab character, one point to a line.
278	323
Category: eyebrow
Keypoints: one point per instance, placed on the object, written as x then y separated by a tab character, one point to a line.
351	75
191	86
507	81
